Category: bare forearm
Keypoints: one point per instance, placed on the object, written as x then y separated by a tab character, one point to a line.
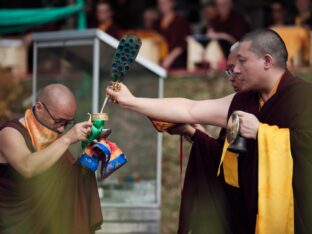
167	109
176	110
42	160
15	151
181	110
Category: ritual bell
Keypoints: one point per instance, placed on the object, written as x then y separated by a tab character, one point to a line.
238	144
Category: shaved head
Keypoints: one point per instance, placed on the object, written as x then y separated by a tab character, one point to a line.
267	41
59	98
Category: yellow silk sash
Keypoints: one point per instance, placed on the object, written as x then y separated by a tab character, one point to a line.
275	202
230	166
275	171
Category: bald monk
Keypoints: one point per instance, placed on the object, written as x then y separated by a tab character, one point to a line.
42	188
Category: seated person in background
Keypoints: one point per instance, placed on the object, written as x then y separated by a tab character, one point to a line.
278	14
150	16
229	24
205	51
209	13
154	46
296	37
104	17
174	28
224	26
297	41
304	16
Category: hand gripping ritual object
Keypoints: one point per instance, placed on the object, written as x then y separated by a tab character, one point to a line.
238	144
100	150
126	52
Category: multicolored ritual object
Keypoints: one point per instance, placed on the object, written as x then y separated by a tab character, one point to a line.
98	150
98	124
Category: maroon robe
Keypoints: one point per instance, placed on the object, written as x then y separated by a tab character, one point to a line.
175	35
208	204
291	108
235	25
114	30
62	200
204	204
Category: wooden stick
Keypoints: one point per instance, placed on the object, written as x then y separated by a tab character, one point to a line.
104	103
116	87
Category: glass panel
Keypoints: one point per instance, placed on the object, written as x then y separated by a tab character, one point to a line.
71	66
135	182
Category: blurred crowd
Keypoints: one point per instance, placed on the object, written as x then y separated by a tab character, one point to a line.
183	44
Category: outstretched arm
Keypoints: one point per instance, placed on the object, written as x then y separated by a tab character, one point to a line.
176	110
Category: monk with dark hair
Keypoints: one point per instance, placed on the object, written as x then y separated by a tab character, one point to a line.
42	189
268	186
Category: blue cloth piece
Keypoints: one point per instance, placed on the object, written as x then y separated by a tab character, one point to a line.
113	165
91	163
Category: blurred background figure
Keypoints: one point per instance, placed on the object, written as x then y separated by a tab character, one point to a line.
150	16
304	17
295	36
223	26
209	14
104	17
278	14
154	45
229	24
174	28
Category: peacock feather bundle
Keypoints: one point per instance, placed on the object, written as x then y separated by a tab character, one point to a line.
126	52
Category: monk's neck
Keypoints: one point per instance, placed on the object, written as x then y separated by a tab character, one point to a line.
267	92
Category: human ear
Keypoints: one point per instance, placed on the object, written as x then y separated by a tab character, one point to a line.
268	61
38	106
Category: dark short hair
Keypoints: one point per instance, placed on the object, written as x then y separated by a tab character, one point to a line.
280	2
267	41
106	2
208	4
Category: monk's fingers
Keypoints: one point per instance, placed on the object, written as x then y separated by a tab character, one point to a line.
240	113
249	127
